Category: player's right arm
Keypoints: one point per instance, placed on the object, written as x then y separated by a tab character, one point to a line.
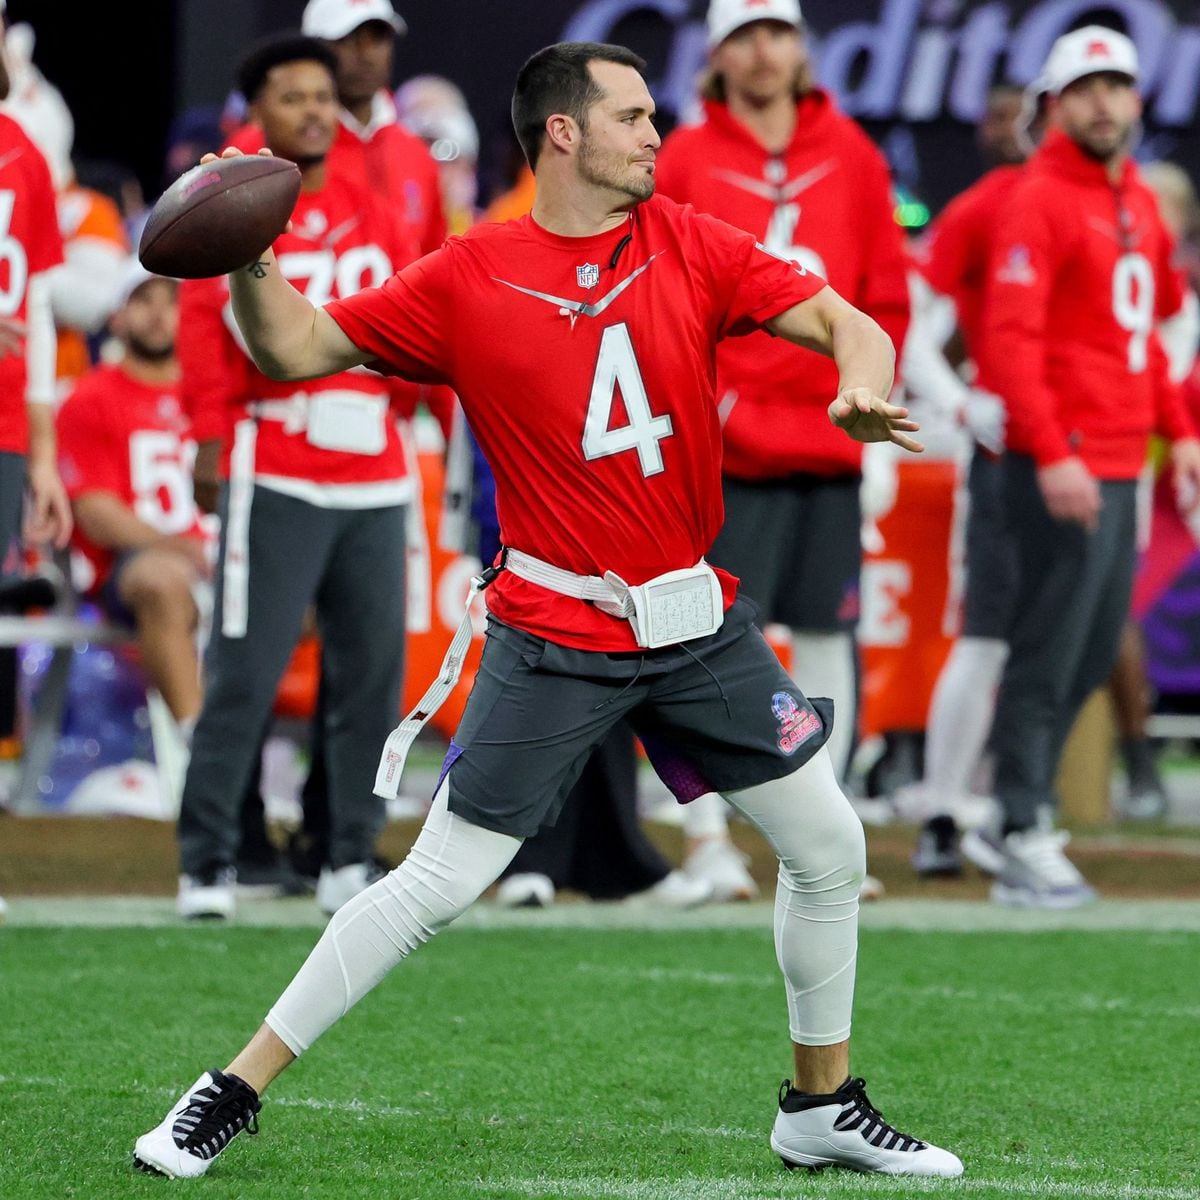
287	336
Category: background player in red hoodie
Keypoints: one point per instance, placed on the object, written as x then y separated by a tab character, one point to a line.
1080	275
775	157
315	510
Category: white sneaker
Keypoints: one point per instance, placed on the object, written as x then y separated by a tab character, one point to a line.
526	889
871	889
844	1129
3	910
677	890
1037	874
983	846
719	862
209	896
206	1118
334	888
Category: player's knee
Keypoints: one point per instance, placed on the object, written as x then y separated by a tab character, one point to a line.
832	853
161	583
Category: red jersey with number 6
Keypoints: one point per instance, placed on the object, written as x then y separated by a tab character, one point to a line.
29	244
587	370
119	435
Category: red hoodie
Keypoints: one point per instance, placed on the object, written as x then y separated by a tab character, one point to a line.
957	252
1080	276
826	203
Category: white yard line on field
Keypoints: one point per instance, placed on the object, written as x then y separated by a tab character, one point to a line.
598	1187
942	916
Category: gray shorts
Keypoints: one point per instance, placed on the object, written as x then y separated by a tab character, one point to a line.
991	590
715	715
796	546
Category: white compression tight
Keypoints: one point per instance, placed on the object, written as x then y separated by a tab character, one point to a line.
960	718
811	826
804	816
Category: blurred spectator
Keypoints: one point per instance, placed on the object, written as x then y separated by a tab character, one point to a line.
775	156
126	455
314	510
949	295
27	444
1080	273
1145	797
436	111
83	291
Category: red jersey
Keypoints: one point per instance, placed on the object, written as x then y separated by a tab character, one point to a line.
1080	276
29	244
826	203
119	435
955	255
590	387
342	240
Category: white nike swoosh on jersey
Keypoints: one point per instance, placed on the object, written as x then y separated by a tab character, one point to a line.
578	307
338	232
788	191
11	156
1111	231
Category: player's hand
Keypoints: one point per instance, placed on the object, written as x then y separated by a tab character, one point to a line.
206	475
1185	463
48	518
869	418
985	417
12	336
1071	492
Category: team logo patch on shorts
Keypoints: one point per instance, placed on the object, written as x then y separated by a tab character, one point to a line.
797	723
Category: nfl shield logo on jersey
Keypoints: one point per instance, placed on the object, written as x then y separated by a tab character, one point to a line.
588	275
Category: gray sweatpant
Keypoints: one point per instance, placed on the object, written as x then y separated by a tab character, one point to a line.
12	500
350	564
1072	602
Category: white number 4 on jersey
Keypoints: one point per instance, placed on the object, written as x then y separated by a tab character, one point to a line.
617	364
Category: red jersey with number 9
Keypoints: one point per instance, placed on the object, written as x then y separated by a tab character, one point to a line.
586	368
29	244
130	439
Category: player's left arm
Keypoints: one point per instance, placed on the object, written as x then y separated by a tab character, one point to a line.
866	361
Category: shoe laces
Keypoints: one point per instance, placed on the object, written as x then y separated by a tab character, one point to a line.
215	1115
860	1115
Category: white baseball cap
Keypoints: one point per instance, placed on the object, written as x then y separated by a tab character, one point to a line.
1088	51
726	16
333	19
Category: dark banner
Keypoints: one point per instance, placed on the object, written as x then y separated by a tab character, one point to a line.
916	72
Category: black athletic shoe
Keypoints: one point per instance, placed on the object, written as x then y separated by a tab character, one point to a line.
208	1116
936	855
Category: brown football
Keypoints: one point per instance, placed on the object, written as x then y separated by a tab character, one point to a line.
219	216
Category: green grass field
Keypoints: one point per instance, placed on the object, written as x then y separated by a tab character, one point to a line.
635	1065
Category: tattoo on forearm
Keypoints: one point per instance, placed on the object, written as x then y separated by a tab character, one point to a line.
258	269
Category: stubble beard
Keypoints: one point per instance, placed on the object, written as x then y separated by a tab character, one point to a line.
149	352
636	186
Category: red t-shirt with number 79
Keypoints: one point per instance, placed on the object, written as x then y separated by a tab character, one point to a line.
589	385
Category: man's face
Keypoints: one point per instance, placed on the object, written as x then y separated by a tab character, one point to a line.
619	141
364	61
297	110
760	61
997	132
149	321
1099	112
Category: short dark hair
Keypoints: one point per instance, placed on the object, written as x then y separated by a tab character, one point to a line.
557	80
274	52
